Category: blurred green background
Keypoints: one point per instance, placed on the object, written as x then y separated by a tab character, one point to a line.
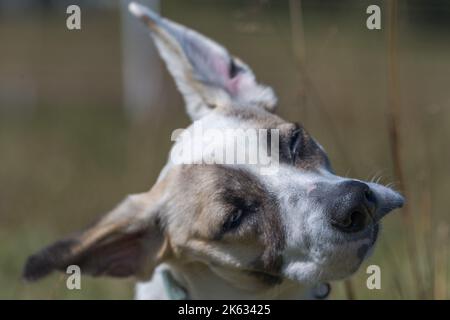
71	147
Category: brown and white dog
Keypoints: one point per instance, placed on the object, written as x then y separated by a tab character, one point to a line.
223	230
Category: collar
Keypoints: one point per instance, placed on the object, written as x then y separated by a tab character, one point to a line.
174	290
322	291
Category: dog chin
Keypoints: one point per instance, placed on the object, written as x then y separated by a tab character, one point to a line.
338	265
356	254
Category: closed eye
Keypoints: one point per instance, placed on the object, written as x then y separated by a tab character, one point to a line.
294	144
234	220
242	209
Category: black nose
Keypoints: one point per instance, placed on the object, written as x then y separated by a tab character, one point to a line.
354	206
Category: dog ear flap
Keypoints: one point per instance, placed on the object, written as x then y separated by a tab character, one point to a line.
128	241
205	73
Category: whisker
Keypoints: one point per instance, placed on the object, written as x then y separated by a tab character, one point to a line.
377	173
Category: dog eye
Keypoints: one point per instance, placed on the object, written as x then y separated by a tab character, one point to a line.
295	144
234	220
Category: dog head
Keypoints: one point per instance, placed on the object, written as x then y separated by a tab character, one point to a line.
297	221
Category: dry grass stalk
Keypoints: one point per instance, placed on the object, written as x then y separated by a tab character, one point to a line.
306	89
394	116
441	263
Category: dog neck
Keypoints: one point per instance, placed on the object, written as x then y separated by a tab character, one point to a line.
198	281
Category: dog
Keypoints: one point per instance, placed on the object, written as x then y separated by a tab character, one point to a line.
223	231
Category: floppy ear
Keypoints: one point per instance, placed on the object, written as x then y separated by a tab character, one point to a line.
127	241
205	73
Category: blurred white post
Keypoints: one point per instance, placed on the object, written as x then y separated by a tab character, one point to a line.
141	69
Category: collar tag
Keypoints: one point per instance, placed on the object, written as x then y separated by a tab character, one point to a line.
173	289
322	291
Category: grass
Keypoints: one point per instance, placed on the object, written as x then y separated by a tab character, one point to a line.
74	153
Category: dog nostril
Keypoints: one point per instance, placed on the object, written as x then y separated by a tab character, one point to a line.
368	194
356	221
370	201
353	207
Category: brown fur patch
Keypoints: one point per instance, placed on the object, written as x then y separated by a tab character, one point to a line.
215	193
240	189
308	155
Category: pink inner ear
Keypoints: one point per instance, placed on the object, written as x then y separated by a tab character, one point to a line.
211	64
234	85
220	66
